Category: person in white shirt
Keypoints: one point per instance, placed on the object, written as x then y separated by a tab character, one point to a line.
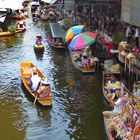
137	37
117	106
128	36
118	102
34	81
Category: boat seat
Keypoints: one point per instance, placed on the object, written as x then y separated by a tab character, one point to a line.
26	71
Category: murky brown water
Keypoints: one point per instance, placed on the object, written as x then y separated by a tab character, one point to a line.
78	102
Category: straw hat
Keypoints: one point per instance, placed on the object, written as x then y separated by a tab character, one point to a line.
110	95
44	81
34	69
21	22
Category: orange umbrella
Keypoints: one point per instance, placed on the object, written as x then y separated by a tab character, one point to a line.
75	30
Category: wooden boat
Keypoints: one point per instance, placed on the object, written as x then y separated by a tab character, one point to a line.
25	71
38	47
124	92
55	40
114	122
19	17
109	76
7	33
78	65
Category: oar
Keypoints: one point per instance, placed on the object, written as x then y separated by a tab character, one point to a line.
35	100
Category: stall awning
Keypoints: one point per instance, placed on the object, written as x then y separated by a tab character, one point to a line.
2	17
56	30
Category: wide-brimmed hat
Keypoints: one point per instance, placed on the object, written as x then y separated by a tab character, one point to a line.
44	80
34	69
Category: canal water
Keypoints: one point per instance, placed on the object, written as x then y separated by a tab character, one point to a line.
78	102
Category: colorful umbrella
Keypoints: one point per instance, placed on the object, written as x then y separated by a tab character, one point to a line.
75	30
82	40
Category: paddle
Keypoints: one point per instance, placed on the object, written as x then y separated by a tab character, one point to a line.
35	100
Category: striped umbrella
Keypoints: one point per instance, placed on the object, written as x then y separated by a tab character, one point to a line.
82	40
75	30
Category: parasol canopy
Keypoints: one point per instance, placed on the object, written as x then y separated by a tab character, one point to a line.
82	40
75	30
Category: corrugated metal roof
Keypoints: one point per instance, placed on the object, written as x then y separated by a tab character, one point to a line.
56	29
2	17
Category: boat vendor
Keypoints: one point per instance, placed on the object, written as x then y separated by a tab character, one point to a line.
43	89
35	18
34	81
118	102
21	25
85	61
38	39
113	87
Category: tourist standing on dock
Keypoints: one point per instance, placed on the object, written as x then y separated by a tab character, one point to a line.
137	37
128	33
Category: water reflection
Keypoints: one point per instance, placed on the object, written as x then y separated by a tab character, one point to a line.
39	54
44	113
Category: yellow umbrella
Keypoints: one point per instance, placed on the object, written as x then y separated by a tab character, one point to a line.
75	30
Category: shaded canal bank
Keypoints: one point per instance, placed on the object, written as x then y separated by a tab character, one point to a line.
78	102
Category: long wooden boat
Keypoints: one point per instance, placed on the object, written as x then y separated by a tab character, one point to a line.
124	92
25	71
78	65
55	40
114	125
109	76
7	33
54	45
19	17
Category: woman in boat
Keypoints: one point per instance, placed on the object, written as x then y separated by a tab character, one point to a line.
34	81
35	18
114	89
39	40
21	25
85	61
117	102
43	89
